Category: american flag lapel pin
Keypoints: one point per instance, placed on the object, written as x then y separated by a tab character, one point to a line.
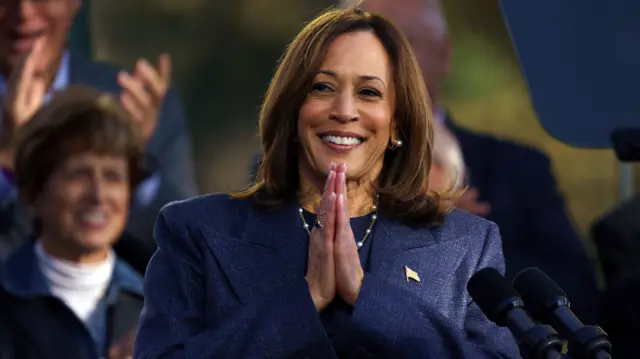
411	274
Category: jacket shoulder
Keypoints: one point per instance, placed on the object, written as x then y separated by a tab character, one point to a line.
217	209
461	224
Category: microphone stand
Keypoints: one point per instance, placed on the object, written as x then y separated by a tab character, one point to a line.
542	342
590	342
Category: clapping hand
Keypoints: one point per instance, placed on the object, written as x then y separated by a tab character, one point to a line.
144	91
469	201
334	264
26	89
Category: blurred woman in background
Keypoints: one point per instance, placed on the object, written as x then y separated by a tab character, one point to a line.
64	293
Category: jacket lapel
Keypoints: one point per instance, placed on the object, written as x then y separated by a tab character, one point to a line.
394	242
122	318
266	250
124	300
419	262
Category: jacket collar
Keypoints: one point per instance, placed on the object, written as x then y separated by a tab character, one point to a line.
266	248
21	276
283	229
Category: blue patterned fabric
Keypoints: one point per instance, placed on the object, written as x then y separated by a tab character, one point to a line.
227	281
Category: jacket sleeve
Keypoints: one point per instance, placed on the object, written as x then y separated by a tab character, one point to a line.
176	322
386	321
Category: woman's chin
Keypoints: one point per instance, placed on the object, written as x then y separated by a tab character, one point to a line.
95	241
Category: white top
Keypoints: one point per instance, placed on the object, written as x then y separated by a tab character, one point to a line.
79	286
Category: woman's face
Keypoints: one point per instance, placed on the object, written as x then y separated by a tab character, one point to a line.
83	207
347	115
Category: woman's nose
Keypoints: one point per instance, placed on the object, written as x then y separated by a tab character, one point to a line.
345	108
97	190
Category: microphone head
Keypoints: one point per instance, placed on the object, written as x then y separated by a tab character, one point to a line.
493	293
540	293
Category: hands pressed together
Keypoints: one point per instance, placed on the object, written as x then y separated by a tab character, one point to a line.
143	92
334	264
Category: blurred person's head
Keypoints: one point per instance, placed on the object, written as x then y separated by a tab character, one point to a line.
448	173
347	89
424	24
23	22
76	163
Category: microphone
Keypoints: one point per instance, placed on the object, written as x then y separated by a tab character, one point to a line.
502	304
549	304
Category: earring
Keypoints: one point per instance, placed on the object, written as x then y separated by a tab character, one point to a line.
395	144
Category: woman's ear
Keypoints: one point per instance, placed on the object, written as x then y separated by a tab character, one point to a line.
393	130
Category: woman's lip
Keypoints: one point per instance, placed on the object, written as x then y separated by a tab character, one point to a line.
93	226
341	134
340	148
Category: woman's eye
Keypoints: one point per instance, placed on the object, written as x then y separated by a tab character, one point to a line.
370	93
320	87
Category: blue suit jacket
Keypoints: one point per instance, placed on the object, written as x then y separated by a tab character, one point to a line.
228	282
525	203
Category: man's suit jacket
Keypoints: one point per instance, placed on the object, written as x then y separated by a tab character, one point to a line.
619	315
228	282
617	237
168	161
525	204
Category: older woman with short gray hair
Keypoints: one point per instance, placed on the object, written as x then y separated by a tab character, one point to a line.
448	171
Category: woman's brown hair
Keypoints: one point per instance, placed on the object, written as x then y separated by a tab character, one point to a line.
76	120
404	175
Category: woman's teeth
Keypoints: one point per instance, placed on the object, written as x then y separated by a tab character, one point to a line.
348	141
94	218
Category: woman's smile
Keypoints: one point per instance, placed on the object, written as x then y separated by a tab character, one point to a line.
341	142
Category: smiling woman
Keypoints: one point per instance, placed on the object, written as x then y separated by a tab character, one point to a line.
75	163
346	117
358	74
337	251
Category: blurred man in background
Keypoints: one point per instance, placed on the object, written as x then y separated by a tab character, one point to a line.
511	185
35	61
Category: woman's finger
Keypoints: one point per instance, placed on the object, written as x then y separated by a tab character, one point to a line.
325	218
343	184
